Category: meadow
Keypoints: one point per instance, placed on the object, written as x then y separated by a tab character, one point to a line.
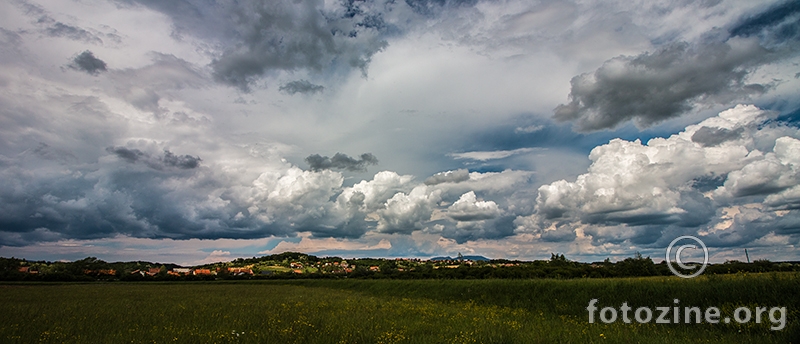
387	311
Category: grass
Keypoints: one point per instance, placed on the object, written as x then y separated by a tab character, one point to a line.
387	311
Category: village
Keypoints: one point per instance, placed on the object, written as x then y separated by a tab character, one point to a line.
290	265
280	265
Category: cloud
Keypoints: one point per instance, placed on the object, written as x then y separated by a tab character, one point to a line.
494	229
217	256
433	7
168	159
656	86
259	38
468	208
289	36
455	176
710	137
142	194
664	84
528	129
425	207
341	161
58	29
406	213
308	244
45	151
772	174
376	191
490	155
145	87
54	28
180	161
301	86
129	155
652	190
86	62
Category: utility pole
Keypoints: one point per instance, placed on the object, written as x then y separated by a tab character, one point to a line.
747	255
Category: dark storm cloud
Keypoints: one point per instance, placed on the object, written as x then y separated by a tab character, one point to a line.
708	183
282	36
168	159
709	137
696	210
498	228
301	86
640	235
88	63
654	87
137	202
341	161
472	217
129	155
561	234
180	161
258	37
456	176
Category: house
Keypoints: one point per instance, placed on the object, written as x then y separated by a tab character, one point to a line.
183	271
375	268
240	271
297	271
27	270
296	265
153	271
202	272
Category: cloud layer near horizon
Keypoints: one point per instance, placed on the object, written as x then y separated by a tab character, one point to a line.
247	122
650	193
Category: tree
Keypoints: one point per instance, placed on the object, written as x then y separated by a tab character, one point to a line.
636	266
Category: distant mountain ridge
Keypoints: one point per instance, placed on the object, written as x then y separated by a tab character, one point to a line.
476	258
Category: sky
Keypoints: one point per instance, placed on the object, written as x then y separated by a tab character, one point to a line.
196	131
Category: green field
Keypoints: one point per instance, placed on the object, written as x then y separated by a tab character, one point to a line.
387	311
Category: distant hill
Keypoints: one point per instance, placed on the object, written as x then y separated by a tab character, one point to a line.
476	258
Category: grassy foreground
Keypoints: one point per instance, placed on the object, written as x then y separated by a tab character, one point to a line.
388	311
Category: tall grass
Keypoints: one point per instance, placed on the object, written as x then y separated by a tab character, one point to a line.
384	311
